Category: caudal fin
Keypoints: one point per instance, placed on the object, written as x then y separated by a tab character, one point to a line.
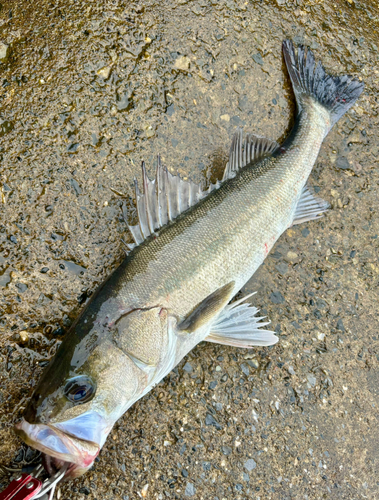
336	93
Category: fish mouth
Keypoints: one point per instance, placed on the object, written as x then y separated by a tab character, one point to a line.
53	465
59	448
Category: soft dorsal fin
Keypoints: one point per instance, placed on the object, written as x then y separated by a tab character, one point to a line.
244	151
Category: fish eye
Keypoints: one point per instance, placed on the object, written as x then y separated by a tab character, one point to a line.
80	389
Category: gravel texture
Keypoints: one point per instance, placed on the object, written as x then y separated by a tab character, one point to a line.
88	90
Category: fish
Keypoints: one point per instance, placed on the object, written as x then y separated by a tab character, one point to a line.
193	251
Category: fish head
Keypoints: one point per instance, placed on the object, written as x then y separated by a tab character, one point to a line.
76	404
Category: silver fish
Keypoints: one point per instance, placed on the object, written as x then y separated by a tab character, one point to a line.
194	250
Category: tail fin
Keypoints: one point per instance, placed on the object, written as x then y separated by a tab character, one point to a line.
336	93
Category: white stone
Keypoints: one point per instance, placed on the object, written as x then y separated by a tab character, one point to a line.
4	48
105	72
183	63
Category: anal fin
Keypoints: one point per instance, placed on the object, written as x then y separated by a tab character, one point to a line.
309	207
239	326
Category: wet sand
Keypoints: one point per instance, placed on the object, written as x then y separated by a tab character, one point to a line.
89	89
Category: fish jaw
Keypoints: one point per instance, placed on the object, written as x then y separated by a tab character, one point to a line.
58	447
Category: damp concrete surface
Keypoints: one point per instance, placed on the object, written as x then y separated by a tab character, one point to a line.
88	89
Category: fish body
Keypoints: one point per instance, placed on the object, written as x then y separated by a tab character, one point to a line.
172	291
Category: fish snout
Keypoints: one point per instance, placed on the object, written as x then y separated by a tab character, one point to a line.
59	447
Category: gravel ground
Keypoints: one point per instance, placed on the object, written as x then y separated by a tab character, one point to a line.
89	89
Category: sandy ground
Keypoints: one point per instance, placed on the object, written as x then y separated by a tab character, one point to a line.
89	89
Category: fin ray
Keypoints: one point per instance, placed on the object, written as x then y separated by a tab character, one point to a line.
309	207
238	325
336	93
247	150
163	199
167	196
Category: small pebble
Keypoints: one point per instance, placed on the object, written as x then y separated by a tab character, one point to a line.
340	325
182	63
105	72
144	491
226	450
190	490
258	59
311	379
291	255
24	335
4	51
342	163
282	268
250	464
245	369
277	298
210	420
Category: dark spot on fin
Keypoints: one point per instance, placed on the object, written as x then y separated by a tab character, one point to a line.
207	309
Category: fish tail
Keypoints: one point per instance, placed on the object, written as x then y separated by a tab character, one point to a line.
336	93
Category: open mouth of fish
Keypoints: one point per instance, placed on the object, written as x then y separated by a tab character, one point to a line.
59	449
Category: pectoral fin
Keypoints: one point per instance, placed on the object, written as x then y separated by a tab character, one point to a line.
239	326
207	309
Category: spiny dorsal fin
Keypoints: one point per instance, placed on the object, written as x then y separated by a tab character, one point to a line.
163	200
245	151
309	207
